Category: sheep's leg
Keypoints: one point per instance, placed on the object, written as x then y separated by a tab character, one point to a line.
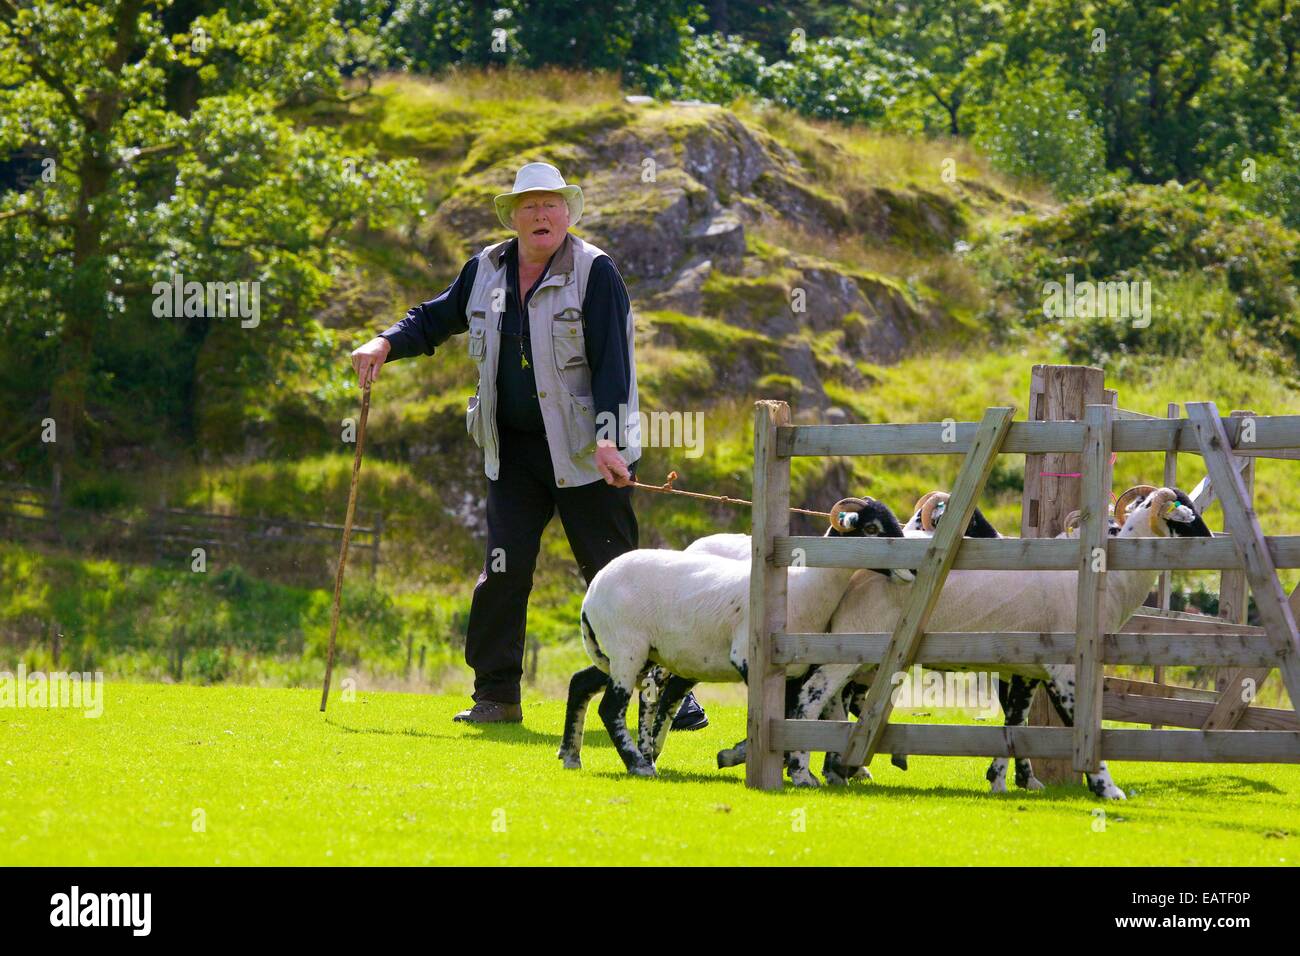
836	773
1060	690
652	687
674	690
857	701
823	683
733	756
853	697
583	686
1015	696
613	711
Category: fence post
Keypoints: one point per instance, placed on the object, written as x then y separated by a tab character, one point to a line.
1233	593
767	596
1056	393
1166	577
1090	626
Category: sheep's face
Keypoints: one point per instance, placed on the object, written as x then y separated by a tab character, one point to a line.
863	517
1183	520
921	515
1162	513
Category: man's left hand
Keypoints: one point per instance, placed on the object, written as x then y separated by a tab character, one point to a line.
611	465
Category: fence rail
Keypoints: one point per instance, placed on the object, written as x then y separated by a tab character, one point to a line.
30	512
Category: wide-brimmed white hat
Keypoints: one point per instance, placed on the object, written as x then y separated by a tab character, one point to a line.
539	178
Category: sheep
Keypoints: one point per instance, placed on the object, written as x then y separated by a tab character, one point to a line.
689	614
1016	693
1042	601
738	547
925	517
930	508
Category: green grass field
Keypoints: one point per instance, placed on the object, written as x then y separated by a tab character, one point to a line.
174	774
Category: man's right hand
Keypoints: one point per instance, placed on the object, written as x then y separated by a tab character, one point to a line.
367	359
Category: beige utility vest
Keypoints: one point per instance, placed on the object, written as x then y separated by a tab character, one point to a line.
557	328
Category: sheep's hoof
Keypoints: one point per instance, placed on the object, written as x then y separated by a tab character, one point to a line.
642	770
1105	789
833	779
729	758
571	761
862	773
998	785
899	761
805	779
1033	783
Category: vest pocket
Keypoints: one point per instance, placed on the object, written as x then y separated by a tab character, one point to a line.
579	424
569	343
477	335
474	420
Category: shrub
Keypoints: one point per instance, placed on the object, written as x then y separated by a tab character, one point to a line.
1036	128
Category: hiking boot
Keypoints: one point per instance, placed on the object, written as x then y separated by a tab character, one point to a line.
491	712
690	716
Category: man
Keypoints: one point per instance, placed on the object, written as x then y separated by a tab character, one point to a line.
536	412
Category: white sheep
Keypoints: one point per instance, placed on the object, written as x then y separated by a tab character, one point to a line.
689	614
1036	601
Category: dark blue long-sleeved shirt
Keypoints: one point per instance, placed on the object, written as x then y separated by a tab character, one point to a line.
604	307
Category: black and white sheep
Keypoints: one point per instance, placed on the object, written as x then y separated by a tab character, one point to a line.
688	613
1037	601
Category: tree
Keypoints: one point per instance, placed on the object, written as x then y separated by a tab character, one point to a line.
956	45
166	155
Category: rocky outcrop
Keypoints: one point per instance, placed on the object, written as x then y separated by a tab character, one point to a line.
674	195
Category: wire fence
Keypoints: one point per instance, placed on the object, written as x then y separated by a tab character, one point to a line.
288	548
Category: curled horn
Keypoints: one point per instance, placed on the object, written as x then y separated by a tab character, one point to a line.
1128	499
921	501
932	501
845	514
1072	522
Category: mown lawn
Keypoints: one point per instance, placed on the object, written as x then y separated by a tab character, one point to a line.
235	775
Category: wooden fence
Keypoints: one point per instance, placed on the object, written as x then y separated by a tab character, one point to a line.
170	535
1150	637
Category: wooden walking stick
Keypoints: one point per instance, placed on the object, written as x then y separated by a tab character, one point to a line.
347	537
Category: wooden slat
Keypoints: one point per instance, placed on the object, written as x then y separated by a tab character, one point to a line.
1276	433
1180	712
1033	554
1128	415
1144	623
1214	746
978	649
1142	688
923	439
1233	604
768	587
1271	432
931	575
1172	411
1240	519
1088	671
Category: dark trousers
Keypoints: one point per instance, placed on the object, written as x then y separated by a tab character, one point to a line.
598	520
